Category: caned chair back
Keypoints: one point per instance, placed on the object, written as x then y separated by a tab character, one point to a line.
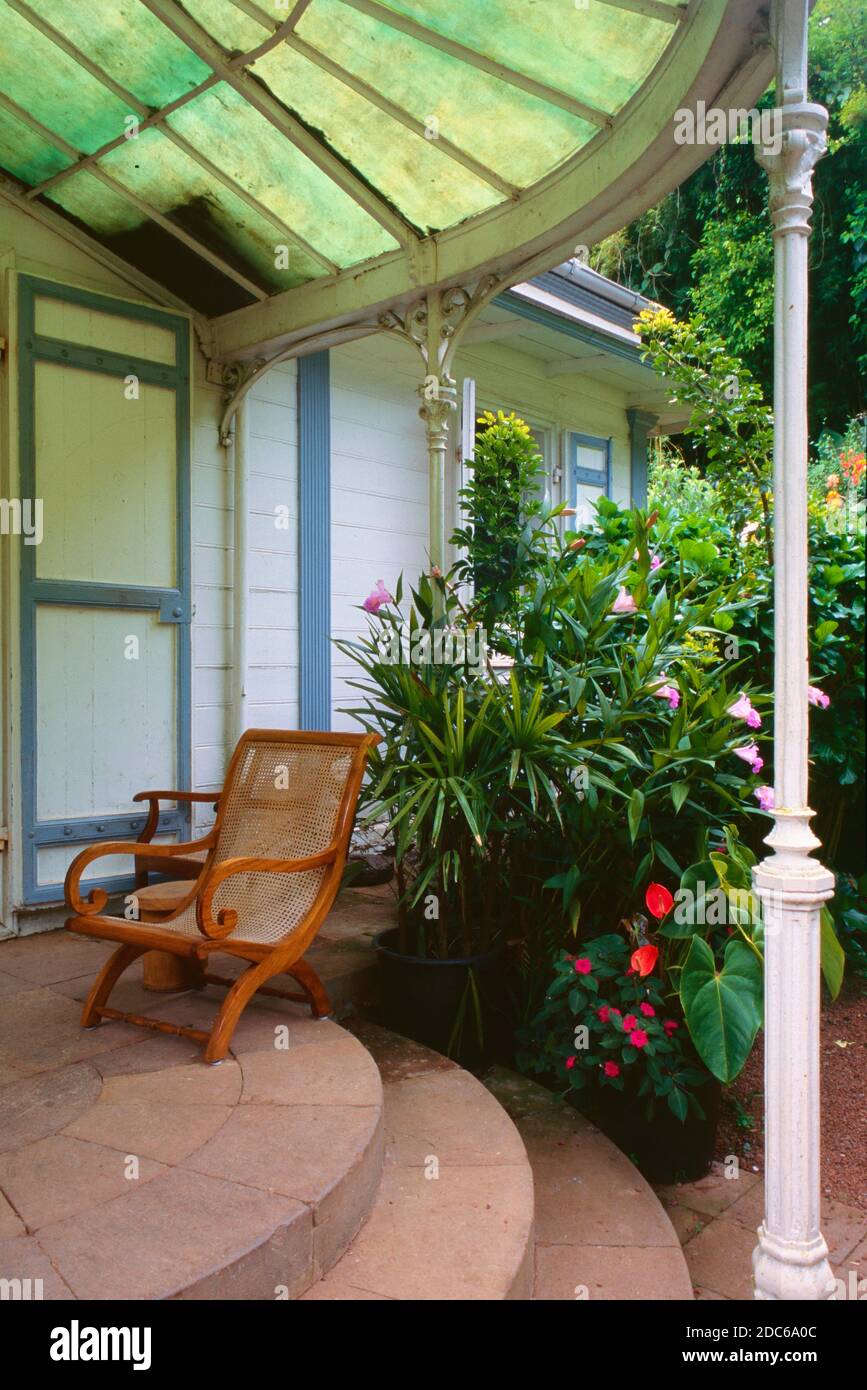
287	796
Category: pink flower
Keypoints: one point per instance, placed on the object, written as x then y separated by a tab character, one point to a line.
743	709
584	966
648	1010
611	1069
750	754
818	697
765	797
655	562
669	693
377	597
570	1062
670	1026
629	1023
602	1014
639	1038
616	1011
624	602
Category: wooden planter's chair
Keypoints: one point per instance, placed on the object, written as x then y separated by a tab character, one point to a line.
274	860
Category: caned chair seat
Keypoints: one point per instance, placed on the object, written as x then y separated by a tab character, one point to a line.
272	868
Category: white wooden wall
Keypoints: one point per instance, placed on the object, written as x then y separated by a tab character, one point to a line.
379	503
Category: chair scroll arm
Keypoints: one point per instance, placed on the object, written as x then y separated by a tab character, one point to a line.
98	897
154	798
226	919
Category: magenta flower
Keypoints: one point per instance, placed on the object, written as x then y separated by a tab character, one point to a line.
602	1014
669	693
743	709
750	754
670	1026
639	1038
611	1069
629	1023
377	597
584	965
648	1010
765	797
570	1062
655	562
818	697
624	602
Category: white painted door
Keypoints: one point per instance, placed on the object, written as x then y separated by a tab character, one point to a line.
105	594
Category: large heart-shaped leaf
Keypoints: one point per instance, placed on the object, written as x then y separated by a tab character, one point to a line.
832	955
723	1009
688	915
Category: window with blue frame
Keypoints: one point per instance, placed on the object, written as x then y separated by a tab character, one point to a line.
589	475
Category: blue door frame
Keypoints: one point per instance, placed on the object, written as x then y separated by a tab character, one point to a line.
172	604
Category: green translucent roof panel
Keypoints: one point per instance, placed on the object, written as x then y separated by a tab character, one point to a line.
229	132
363	126
169	180
129	44
599	54
430	189
25	154
473	115
51	86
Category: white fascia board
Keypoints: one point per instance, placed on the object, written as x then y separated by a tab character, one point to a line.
565	310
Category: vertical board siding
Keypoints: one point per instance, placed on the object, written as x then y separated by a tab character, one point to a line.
272	653
314	540
379	506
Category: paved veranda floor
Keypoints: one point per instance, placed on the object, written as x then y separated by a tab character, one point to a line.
716	1220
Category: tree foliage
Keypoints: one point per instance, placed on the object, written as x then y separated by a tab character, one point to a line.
706	248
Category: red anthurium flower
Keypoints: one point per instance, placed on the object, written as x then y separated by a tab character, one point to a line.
659	900
611	1069
648	1010
644	959
629	1023
638	1038
584	965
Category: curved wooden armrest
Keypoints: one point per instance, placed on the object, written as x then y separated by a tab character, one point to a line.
154	799
227	918
98	897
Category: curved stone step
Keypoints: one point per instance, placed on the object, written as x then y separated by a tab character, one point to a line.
601	1230
454	1215
130	1170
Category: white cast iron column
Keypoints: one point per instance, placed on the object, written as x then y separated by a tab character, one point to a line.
791	1258
435	326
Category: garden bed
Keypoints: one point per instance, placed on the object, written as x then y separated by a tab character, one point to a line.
844	1102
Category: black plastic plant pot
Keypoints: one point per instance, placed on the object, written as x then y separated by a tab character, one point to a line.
664	1148
457	1007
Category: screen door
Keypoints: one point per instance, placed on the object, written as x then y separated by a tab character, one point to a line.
105	609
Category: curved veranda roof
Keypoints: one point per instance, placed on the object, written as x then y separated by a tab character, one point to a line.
280	164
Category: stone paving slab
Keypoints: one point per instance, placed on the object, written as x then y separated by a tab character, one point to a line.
453	1219
601	1231
717	1219
129	1169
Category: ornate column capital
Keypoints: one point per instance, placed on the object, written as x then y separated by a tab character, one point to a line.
435	325
438	402
790	162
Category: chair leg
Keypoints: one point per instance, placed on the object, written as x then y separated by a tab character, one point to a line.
233	1005
320	1004
105	982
